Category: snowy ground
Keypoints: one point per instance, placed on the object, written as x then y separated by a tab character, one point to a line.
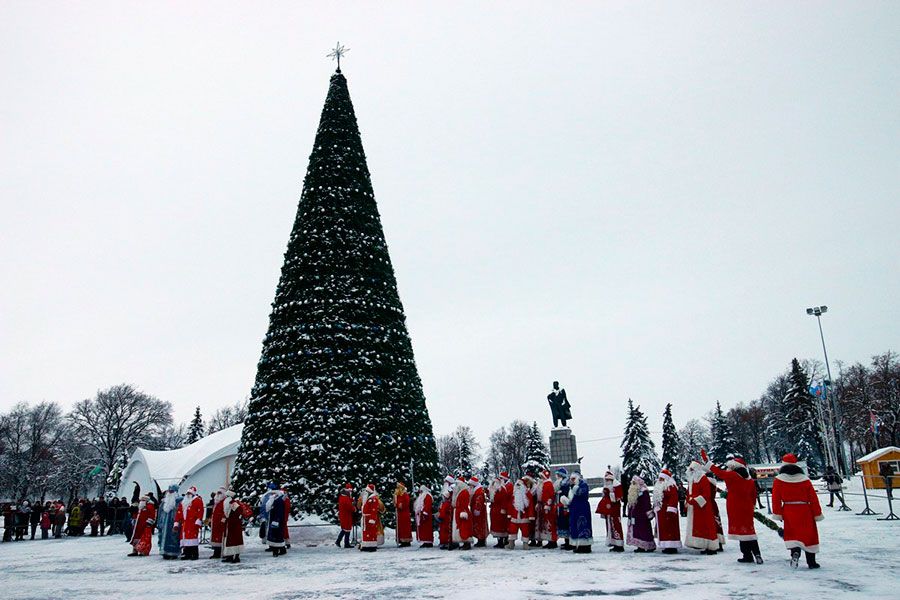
859	557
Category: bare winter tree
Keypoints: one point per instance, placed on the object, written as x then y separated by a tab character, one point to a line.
117	419
694	435
227	416
30	436
509	448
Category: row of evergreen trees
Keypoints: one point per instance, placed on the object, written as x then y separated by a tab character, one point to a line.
518	448
796	422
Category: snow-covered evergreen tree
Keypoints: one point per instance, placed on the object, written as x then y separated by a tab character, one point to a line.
537	452
337	395
638	450
671	445
196	429
723	443
802	420
466	466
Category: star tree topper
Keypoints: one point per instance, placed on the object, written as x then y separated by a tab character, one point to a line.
337	53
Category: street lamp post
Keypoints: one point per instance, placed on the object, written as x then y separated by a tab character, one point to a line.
817	312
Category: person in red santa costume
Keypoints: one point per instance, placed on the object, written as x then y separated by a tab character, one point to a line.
501	500
424	512
478	510
233	540
462	519
521	515
795	502
142	537
531	487
217	523
346	510
545	495
700	529
665	504
740	504
189	521
372	530
610	506
445	520
402	511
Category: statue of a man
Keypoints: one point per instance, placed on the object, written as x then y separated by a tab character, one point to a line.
559	405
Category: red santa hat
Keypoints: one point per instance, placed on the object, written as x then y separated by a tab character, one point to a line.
371	487
192	490
449	479
504	475
665	473
736	462
347	486
789	458
473	481
609	475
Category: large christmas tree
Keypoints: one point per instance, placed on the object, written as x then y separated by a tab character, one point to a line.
723	442
671	445
638	450
337	396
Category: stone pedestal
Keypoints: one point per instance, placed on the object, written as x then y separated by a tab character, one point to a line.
563	452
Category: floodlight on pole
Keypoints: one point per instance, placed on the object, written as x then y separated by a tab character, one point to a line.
817	312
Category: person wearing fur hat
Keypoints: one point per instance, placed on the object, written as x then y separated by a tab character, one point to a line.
277	515
478	510
795	502
545	496
561	486
462	518
521	515
640	517
700	529
169	541
142	538
610	506
217	523
424	514
501	500
233	537
665	505
372	529
189	521
445	521
580	530
402	512
345	515
740	504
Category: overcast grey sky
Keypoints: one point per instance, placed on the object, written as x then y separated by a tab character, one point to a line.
637	199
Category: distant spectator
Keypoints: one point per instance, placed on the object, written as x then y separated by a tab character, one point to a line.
127	524
8	522
35	517
75	527
95	524
22	515
759	489
682	496
833	481
59	519
111	509
887	473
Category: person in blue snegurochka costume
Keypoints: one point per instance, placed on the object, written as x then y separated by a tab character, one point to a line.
263	517
580	530
275	509
168	539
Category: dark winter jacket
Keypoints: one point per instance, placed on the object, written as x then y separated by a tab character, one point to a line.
35	517
833	481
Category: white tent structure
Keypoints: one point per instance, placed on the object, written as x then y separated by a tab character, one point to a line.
206	464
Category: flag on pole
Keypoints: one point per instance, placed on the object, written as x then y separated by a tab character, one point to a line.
96	471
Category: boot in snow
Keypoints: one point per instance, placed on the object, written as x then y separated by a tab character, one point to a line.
551	546
795	557
811	561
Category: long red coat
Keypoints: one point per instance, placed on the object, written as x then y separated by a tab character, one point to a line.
190	520
700	530
404	524
425	518
462	517
345	512
142	538
740	503
372	531
546	511
795	502
610	506
445	514
499	513
217	524
521	516
233	538
667	518
287	517
479	513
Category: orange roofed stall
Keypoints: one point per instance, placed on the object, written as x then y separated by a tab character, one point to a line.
872	466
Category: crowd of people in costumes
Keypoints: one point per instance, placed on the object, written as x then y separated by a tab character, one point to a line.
549	510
